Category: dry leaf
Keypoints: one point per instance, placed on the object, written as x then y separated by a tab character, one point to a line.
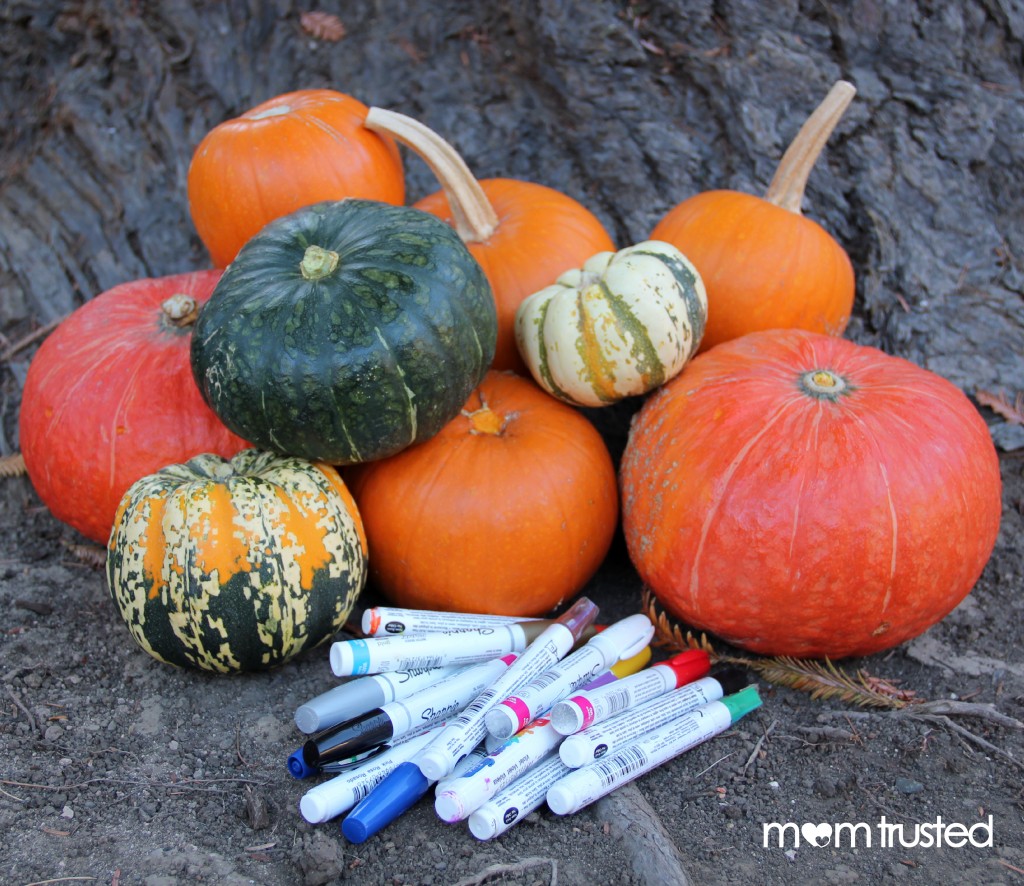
1000	404
322	26
12	465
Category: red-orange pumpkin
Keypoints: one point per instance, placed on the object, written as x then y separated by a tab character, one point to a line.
798	494
523	234
764	264
510	509
294	150
109	398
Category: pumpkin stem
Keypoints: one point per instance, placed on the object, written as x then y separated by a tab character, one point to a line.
180	310
823	383
475	218
484	420
318	262
787	186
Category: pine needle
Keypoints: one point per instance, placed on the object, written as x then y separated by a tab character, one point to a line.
12	465
821	679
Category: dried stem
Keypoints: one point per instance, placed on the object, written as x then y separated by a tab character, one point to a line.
475	218
787	186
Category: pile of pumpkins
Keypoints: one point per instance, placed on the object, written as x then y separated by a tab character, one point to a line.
363	390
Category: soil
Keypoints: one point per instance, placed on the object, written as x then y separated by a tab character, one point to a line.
117	769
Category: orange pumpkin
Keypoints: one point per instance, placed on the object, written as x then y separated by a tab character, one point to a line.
291	151
764	264
510	509
524	235
109	398
798	494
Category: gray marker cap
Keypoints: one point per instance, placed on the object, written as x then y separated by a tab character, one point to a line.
340	704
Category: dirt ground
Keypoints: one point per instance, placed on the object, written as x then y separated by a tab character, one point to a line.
116	769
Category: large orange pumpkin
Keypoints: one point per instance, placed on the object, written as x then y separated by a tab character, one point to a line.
509	510
798	494
523	234
109	398
764	264
294	150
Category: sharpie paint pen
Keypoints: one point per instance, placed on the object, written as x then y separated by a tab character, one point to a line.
399	791
623	639
625	668
424	708
386	621
582	787
299	768
497	771
437	760
518	800
331	798
458	647
596	704
358	696
622	729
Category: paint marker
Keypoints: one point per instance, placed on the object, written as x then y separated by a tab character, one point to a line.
605	738
497	771
518	800
625	668
424	708
437	760
596	704
583	786
299	768
358	696
386	621
331	798
394	795
623	639
458	647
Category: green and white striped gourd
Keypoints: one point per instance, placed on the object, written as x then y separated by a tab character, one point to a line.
622	325
236	565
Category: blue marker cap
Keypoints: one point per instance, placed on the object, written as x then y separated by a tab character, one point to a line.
388	800
298	767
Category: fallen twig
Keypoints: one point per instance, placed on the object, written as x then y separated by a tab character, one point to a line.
29	339
944	720
760	743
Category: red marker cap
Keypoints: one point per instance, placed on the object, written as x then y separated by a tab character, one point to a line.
688	666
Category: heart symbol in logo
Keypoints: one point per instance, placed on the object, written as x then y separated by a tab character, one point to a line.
816	834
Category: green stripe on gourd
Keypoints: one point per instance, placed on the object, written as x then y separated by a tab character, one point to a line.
622	325
352	358
236	565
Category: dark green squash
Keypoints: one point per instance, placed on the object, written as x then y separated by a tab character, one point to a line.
345	332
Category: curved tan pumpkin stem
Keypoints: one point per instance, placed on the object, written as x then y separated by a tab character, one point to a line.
787	186
475	218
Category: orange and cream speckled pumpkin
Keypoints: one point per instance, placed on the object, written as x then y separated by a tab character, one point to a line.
236	565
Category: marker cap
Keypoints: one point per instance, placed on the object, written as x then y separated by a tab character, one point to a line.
626	667
298	767
579	616
340	704
688	666
571	715
389	799
742	702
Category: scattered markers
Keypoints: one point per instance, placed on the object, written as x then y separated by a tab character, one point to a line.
381	734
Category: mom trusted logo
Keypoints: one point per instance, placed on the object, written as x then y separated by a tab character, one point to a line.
882	835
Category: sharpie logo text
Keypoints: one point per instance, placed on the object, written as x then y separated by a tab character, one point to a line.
884	835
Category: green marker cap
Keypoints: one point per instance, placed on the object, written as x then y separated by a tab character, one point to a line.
742	702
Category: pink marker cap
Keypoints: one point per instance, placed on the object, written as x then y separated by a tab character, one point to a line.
688	666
